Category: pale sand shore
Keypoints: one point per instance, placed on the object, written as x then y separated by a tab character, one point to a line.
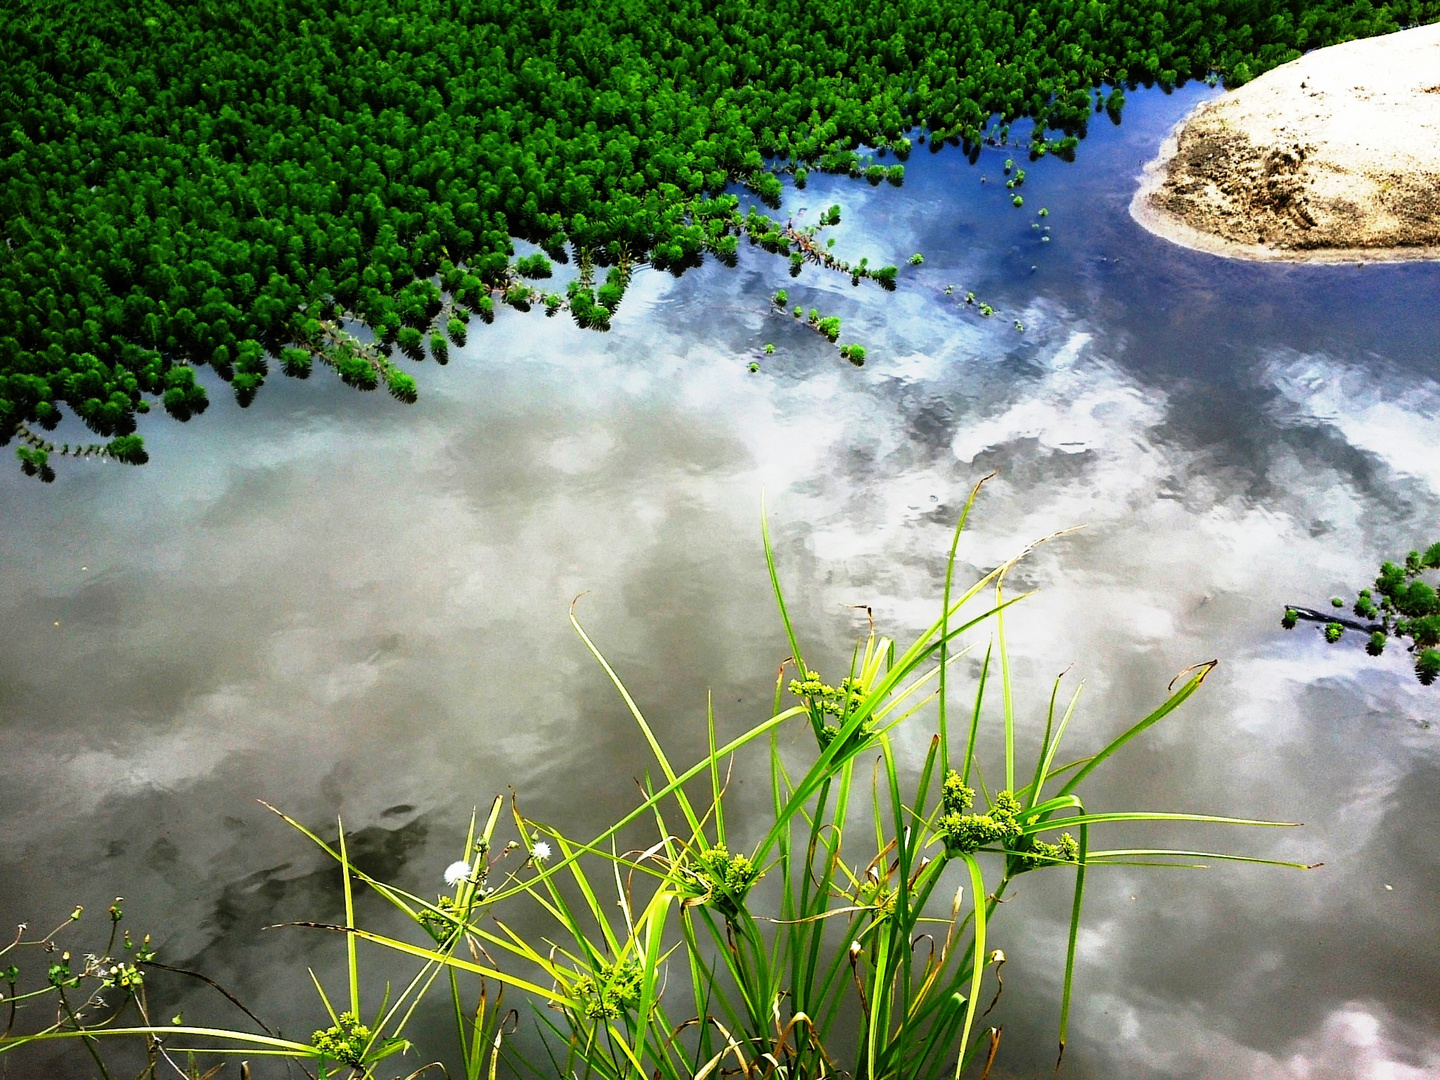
1334	157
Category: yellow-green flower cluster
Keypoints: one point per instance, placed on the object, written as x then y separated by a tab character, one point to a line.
725	878
614	989
879	896
837	701
1039	853
345	1042
965	833
440	923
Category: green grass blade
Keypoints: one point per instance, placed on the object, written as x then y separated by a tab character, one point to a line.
654	924
1150	815
1073	938
1052	746
944	728
640	720
1135	857
257	1044
1033	790
975	716
1173	702
351	960
719	809
977	949
448	960
775	584
1006	693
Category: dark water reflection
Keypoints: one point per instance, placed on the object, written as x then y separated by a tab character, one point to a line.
348	607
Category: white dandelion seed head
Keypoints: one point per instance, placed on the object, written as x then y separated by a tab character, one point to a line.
540	851
457	872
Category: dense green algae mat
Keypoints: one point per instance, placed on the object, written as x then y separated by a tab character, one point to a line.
237	184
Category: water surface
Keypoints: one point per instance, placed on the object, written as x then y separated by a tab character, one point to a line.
345	606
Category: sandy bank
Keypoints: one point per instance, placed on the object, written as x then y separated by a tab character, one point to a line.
1334	157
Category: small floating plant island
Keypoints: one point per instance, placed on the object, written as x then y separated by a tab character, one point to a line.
244	186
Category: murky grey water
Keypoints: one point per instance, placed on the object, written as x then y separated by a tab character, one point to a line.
345	606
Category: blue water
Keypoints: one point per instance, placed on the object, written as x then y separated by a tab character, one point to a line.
346	606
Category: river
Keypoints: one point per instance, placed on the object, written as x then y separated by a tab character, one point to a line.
343	605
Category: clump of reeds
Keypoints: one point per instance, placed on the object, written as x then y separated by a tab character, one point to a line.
795	954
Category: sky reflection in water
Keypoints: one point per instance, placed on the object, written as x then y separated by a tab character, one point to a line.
346	606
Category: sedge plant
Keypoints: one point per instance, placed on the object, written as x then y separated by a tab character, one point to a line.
850	934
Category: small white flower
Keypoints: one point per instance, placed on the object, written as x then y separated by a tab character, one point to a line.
456	872
540	851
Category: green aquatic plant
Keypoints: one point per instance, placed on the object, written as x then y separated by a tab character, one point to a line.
533	266
212	186
1408	608
1427	665
790	954
917	259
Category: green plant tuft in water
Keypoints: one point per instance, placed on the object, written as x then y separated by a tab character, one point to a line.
304	168
1427	665
647	950
1408	608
